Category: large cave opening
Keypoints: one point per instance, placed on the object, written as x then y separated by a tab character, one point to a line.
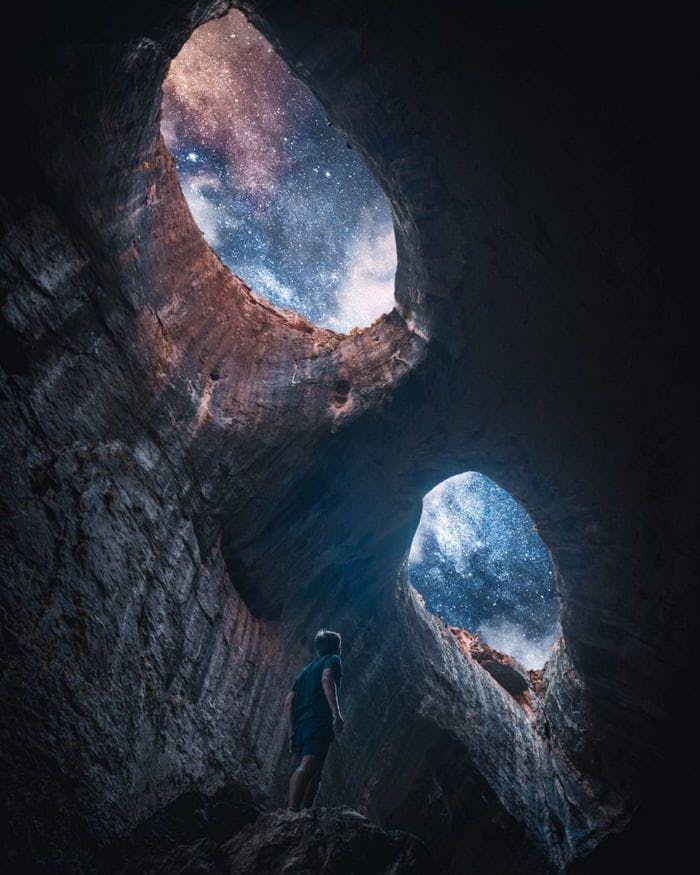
479	563
280	194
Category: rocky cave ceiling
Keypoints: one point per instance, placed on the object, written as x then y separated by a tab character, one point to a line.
194	480
292	209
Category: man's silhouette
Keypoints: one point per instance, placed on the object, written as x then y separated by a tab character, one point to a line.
313	717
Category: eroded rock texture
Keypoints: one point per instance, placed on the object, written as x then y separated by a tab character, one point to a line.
193	482
326	840
323	840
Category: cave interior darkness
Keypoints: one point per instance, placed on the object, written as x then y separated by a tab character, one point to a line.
200	469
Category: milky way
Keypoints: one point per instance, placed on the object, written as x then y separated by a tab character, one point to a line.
276	190
480	565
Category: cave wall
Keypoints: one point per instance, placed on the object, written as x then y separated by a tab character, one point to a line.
188	494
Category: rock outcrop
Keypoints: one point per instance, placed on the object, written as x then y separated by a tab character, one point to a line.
193	481
192	828
325	840
227	834
505	670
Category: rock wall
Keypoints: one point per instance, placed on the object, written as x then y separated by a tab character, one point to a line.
193	481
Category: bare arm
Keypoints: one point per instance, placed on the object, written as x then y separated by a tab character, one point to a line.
289	713
330	691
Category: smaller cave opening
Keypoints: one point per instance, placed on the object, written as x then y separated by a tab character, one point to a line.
279	193
480	565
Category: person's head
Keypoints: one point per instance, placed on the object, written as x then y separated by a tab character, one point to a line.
327	642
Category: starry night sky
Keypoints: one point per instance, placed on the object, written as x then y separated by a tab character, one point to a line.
480	565
275	189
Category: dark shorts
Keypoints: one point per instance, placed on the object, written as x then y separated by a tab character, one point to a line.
313	745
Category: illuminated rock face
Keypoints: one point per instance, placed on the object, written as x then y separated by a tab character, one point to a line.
193	482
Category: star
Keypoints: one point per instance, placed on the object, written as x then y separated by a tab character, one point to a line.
480	565
252	148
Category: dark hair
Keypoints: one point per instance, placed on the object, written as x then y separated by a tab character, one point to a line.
327	642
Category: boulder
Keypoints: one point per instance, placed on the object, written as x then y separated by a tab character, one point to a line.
333	840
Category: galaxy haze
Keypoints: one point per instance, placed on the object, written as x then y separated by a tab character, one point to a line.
480	565
277	191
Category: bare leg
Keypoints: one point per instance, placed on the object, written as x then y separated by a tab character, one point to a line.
299	782
312	790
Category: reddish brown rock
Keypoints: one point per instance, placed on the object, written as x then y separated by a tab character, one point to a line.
504	669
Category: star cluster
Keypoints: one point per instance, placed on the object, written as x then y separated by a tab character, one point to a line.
277	191
480	565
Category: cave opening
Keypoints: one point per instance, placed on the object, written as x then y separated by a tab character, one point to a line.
480	565
281	195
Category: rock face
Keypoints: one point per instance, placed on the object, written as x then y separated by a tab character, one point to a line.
227	834
327	840
503	668
193	827
192	482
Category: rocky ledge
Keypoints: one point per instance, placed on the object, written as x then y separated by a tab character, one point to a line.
504	669
337	840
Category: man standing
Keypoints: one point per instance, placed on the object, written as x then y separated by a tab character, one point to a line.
313	717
